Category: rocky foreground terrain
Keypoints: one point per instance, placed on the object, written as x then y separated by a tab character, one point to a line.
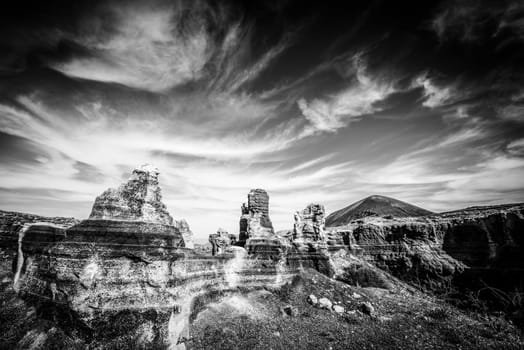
128	277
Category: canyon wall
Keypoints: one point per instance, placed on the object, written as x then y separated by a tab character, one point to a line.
11	224
483	243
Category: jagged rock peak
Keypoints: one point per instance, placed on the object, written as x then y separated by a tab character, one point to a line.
139	199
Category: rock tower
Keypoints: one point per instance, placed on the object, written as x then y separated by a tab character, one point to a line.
255	219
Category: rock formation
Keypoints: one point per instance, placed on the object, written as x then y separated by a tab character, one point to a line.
185	231
139	199
11	224
255	216
256	230
309	223
221	240
125	276
461	248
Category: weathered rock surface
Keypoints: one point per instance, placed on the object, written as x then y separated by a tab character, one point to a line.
220	241
309	224
11	224
185	231
325	303
254	220
139	199
125	276
466	248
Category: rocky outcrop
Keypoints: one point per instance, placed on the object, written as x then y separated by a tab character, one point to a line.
220	241
12	224
462	247
126	278
139	199
254	220
309	224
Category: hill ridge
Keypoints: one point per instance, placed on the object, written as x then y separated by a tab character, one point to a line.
374	205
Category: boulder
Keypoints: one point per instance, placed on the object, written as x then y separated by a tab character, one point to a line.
325	303
339	309
312	299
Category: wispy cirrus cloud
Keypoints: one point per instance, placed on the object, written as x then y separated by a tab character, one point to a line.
141	48
164	44
227	96
351	104
434	95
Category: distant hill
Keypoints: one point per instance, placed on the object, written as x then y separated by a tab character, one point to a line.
374	206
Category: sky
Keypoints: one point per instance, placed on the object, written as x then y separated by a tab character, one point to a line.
314	101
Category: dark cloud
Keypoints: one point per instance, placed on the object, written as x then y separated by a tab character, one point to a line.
15	150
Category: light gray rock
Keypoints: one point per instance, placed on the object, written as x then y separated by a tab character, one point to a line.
325	303
339	309
139	199
312	299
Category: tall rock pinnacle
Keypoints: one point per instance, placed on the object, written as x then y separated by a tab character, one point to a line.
255	219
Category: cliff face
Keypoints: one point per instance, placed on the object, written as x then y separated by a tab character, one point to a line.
478	243
11	224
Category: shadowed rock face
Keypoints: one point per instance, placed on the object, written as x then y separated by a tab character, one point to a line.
465	246
11	224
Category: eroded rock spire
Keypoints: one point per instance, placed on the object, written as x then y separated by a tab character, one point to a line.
139	199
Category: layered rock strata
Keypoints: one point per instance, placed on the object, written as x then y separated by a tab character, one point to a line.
483	243
12	226
139	199
309	224
254	220
129	279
